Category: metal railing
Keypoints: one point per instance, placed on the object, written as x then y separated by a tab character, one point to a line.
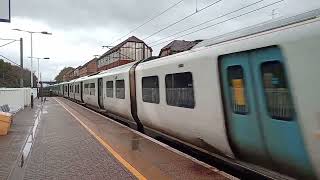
150	95
182	97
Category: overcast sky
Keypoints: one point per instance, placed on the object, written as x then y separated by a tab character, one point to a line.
81	27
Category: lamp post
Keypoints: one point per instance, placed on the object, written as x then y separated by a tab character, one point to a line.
46	58
31	33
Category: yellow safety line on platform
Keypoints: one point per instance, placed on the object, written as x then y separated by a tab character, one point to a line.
107	146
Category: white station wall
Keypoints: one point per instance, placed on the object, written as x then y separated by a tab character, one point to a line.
16	98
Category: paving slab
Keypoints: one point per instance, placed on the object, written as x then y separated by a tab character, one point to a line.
12	144
153	159
63	149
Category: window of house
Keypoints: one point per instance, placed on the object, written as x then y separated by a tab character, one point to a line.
277	94
120	89
237	90
92	89
150	89
179	90
109	86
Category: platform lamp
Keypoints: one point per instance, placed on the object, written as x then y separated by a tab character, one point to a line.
31	33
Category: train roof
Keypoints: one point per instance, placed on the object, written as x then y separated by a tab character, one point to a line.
259	28
112	71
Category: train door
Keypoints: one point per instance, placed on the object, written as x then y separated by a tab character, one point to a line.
100	93
74	90
68	89
261	119
243	124
81	91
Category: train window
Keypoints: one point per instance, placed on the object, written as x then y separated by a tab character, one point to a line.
109	86
277	94
92	89
150	89
237	89
86	89
179	90
120	89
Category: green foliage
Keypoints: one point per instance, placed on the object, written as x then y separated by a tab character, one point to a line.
10	76
59	77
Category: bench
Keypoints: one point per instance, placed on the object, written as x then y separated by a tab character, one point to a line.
5	108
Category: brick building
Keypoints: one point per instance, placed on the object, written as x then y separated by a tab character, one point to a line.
177	46
68	75
76	72
88	68
130	50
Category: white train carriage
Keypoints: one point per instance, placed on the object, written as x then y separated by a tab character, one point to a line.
116	91
109	90
72	89
58	89
259	106
90	91
78	83
179	95
65	88
252	97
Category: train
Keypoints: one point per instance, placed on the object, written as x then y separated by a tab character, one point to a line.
251	95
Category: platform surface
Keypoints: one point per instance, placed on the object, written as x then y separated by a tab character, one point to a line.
73	142
12	143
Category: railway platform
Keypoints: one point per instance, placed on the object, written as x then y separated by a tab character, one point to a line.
68	141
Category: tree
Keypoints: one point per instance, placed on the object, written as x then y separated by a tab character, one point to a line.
59	77
10	76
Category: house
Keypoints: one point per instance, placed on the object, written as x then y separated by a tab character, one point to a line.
68	75
177	46
76	72
132	49
88	68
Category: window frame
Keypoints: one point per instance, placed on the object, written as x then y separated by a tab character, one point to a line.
266	99
93	93
86	89
158	89
112	93
245	93
193	91
124	89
